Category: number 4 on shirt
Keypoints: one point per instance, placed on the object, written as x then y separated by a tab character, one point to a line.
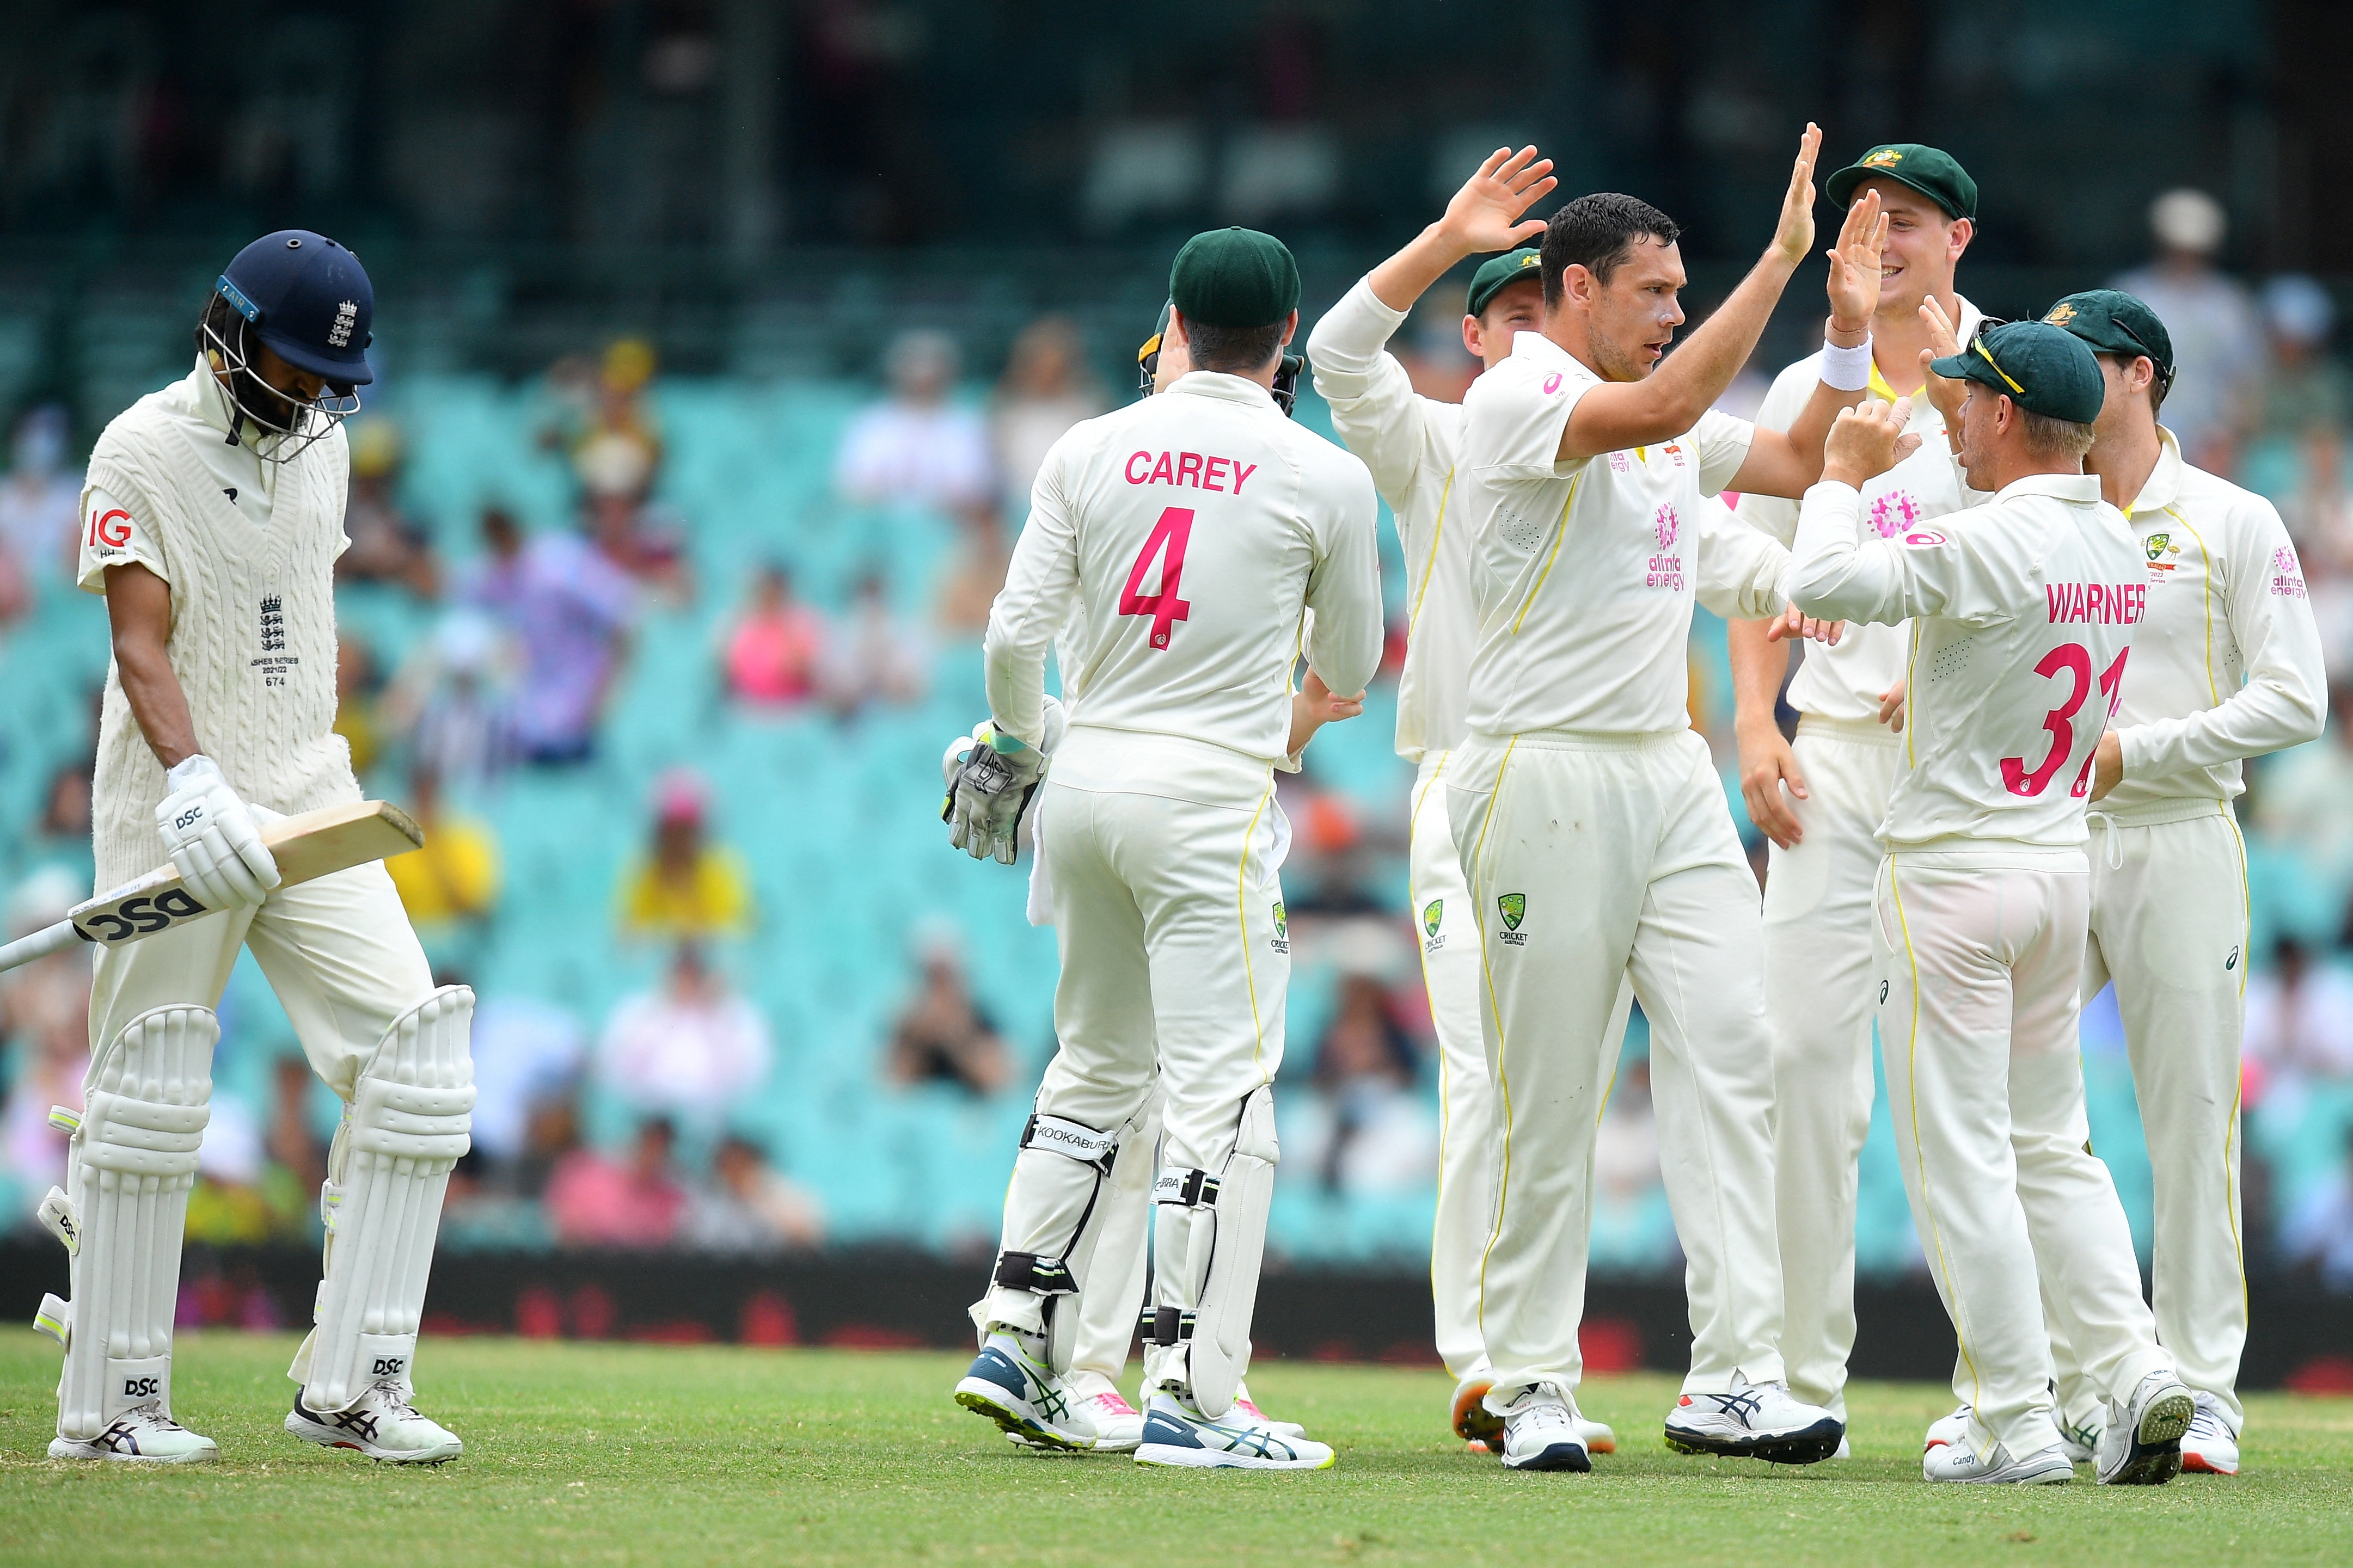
1167	540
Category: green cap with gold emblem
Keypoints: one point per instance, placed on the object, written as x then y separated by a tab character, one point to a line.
1234	278
2041	368
1931	170
2114	322
1497	271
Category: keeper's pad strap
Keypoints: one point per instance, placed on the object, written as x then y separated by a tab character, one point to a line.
1187	1188
1072	1139
1039	1276
1170	1325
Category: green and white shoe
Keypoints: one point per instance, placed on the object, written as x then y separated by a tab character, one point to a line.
1175	1434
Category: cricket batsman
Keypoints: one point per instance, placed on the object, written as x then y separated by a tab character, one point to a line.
1412	444
1192	532
211	522
1820	799
2022	615
1590	825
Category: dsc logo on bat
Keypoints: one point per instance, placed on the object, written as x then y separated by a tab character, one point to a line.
142	916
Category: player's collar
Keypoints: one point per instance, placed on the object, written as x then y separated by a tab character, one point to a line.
2164	482
2063	486
1965	328
201	396
1218	385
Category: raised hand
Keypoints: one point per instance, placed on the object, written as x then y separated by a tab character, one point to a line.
1867	441
1794	237
1484	214
1855	265
1946	393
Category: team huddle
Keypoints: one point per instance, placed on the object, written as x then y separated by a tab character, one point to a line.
2038	646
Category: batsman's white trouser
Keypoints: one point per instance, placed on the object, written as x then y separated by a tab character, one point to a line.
1449	930
1980	954
2169	927
1819	991
1588	856
1176	965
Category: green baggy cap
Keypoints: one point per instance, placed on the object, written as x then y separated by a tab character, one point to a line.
1930	171
2113	322
2041	368
1498	271
1234	278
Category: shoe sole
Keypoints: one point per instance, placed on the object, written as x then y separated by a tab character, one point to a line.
1013	1424
73	1451
1167	1455
1569	1456
1473	1422
1811	1446
1103	1445
334	1437
2156	1457
2200	1464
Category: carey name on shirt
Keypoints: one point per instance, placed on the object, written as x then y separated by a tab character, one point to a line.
2103	603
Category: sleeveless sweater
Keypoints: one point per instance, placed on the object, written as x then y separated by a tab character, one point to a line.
253	633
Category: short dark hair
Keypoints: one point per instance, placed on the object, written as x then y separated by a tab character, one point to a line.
2159	384
1597	233
1234	350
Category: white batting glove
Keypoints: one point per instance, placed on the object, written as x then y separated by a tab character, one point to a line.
212	837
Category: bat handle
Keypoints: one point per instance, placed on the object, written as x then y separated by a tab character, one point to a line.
40	944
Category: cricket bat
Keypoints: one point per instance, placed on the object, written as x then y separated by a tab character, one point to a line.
332	838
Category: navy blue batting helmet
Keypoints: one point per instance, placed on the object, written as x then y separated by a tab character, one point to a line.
309	299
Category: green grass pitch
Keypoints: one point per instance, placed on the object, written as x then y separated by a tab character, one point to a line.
591	1454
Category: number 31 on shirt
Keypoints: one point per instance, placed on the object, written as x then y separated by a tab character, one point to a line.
2074	661
1167	540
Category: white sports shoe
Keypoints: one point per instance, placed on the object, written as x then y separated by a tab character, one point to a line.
1249	1406
1023	1396
1754	1421
142	1435
381	1424
2142	1447
2079	1440
2210	1447
1119	1426
1175	1434
1948	1430
1540	1432
1957	1462
1480	1427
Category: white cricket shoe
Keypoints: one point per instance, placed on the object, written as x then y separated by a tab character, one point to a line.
1023	1396
1948	1431
1754	1421
2142	1447
2079	1440
381	1424
2210	1447
1178	1434
1540	1432
142	1435
1957	1462
1249	1406
1479	1427
1119	1426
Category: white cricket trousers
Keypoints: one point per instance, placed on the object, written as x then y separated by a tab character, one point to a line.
1980	954
2169	927
338	951
1819	991
1587	856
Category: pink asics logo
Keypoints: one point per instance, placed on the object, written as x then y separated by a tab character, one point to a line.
1893	514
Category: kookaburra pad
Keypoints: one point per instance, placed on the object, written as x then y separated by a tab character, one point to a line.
1208	1237
128	1168
409	1122
1053	1215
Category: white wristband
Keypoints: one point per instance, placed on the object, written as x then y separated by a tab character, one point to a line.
1846	370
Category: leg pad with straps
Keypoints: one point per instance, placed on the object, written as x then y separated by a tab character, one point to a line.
1210	1238
1051	1215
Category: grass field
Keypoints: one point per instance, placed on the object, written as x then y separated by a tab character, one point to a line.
587	1454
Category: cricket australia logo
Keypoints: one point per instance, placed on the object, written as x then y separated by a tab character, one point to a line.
1514	907
347	316
1895	513
1431	916
2159	548
1280	941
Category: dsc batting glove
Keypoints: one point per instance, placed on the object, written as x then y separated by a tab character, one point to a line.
212	836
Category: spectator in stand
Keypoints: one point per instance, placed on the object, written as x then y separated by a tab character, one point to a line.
229	1206
386	546
975	573
450	886
687	887
643	540
917	447
1044	391
876	657
607	406
775	652
689	1048
357	685
2318	1230
451	700
61	837
1368	1131
943	1035
570	609
527	1055
636	1201
40	500
296	1156
2217	339
2299	1029
44	1042
749	1206
1633	1230
2305	388
2304	806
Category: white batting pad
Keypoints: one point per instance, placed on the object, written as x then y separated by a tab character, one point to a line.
1209	1237
1053	1214
408	1123
128	1168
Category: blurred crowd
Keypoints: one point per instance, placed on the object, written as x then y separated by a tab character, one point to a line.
624	1129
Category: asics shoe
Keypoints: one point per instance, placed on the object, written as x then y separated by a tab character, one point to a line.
2142	1447
2079	1440
142	1435
381	1424
1119	1426
1023	1396
2210	1447
1958	1462
1478	1426
1248	1406
1754	1421
1540	1432
1176	1434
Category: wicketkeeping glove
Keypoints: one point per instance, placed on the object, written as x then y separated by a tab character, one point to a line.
984	804
212	837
